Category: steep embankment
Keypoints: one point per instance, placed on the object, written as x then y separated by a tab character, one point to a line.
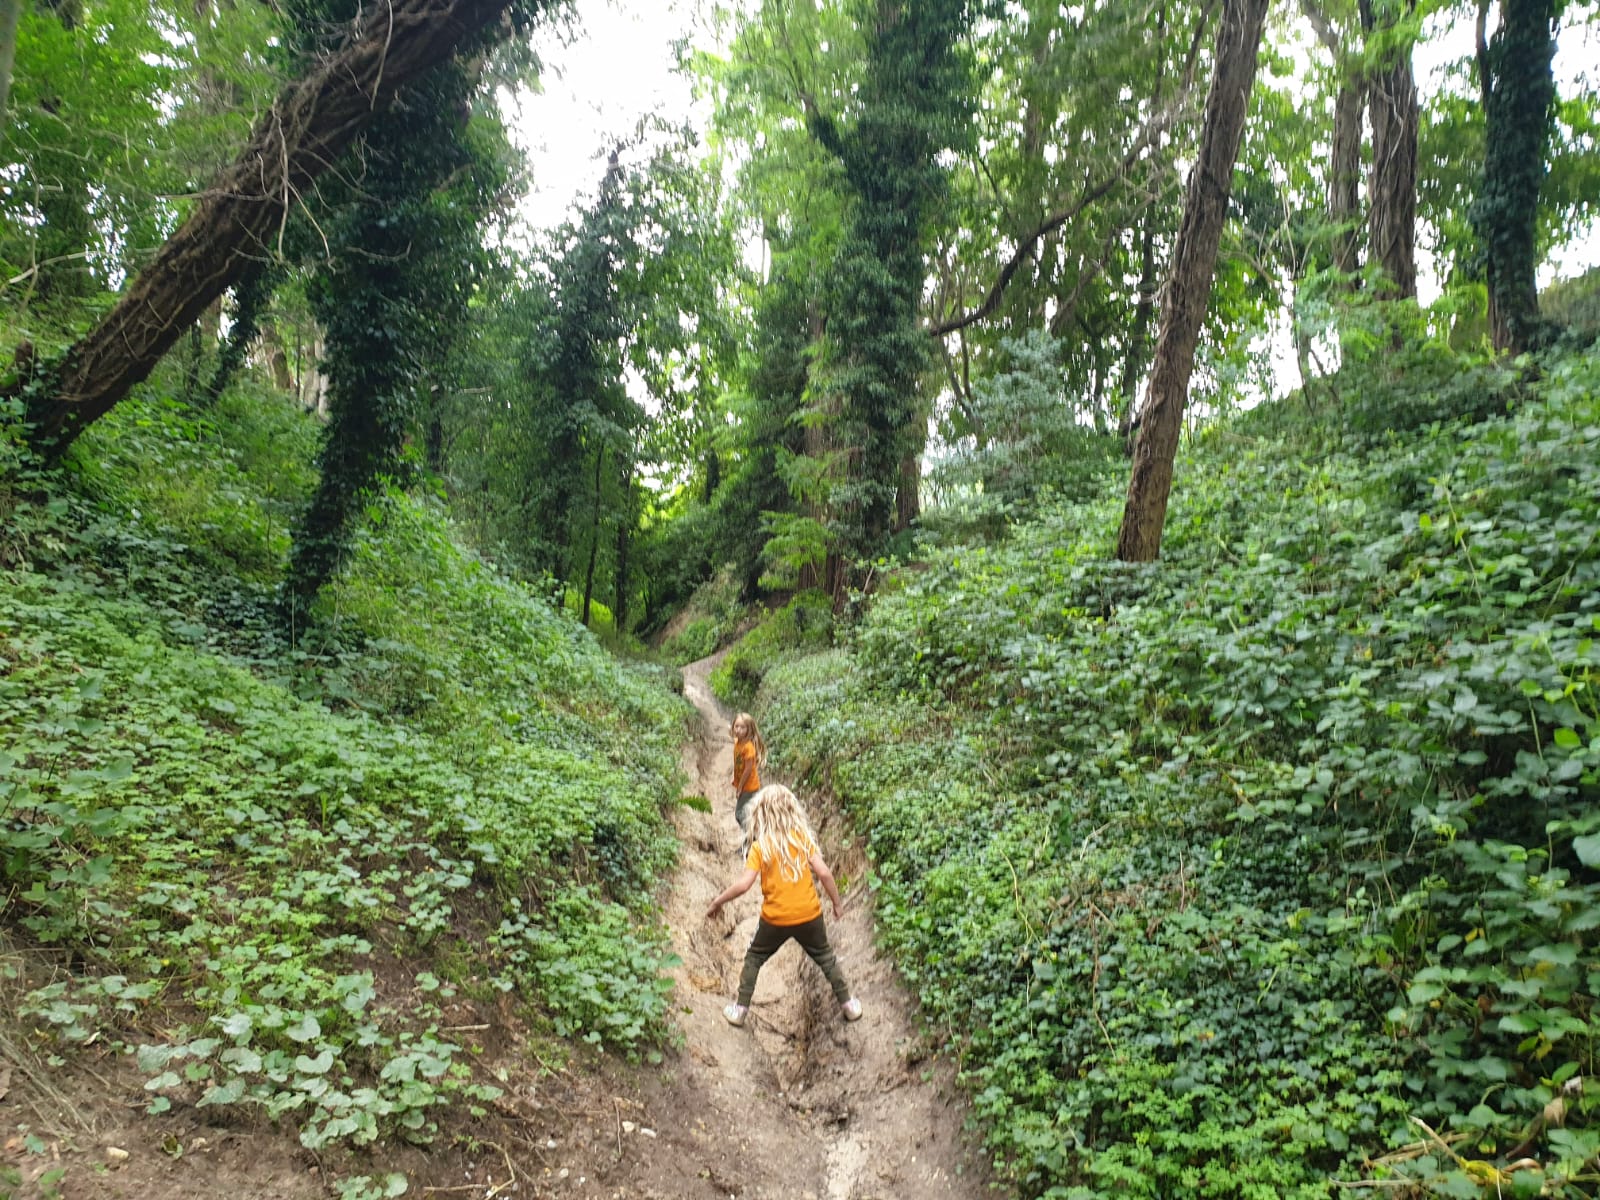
1231	873
798	1103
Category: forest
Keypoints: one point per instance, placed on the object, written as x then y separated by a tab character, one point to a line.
1137	460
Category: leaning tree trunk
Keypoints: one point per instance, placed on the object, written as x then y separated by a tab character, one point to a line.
1188	287
1392	191
1519	94
312	122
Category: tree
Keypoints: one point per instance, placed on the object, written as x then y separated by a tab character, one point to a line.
914	104
313	121
1344	149
1392	108
390	301
1188	286
1519	95
9	12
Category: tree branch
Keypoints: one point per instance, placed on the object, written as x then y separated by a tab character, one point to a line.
313	121
1152	131
1025	248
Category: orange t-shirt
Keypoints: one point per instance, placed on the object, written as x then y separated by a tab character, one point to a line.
746	771
786	901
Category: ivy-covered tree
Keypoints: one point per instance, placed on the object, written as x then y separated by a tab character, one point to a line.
390	300
1519	97
914	105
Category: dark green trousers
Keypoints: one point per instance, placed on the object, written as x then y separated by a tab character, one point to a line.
813	939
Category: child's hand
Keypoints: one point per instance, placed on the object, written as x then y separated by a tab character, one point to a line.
838	911
716	907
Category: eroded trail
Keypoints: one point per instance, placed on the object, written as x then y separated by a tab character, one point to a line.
797	1105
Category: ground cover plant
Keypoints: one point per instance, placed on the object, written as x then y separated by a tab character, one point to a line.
1278	861
268	866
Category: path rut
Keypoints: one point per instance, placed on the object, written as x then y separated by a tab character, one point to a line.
797	1105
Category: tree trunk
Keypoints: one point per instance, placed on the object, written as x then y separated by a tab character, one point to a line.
1344	177
251	295
312	122
1344	158
433	441
908	493
9	11
1392	190
713	475
594	533
620	600
1188	287
1519	101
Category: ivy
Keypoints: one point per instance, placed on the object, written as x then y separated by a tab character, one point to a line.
1248	862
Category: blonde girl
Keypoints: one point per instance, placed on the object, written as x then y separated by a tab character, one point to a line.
749	756
784	856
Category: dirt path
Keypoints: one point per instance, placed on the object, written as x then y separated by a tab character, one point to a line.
797	1105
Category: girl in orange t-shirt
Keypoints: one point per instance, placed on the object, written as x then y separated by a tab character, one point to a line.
749	756
784	856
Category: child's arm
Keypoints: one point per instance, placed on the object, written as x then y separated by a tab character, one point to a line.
736	889
825	878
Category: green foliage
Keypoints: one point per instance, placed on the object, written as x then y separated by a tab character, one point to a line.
801	626
272	868
1221	872
708	620
1019	436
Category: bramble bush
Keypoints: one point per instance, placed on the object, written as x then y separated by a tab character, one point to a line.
266	869
1227	874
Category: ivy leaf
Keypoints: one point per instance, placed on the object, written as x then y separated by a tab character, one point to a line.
1587	849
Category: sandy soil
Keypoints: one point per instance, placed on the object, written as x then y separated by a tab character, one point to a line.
797	1105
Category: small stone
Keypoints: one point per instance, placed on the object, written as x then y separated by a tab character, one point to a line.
648	1132
116	1155
628	1127
550	1145
562	1174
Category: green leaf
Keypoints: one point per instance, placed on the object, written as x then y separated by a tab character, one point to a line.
305	1029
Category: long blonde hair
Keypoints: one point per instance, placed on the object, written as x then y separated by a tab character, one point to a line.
779	827
759	742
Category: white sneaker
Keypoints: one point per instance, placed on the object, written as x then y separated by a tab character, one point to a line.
736	1012
851	1009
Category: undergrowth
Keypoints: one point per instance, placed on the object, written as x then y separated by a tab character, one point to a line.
1276	862
269	868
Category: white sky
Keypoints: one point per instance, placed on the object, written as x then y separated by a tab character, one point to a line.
620	68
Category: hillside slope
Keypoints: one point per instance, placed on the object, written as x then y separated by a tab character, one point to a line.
359	881
1275	862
